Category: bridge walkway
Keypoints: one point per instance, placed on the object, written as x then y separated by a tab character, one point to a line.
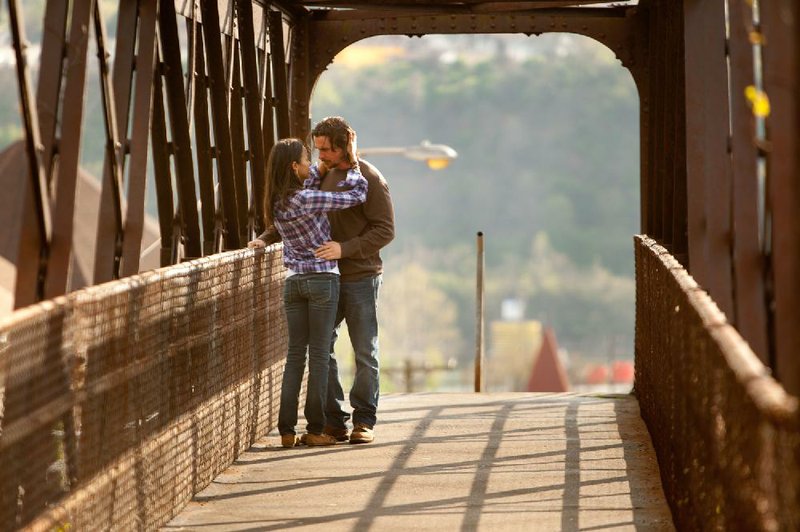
453	461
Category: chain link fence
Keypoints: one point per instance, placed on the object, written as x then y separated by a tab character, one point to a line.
726	433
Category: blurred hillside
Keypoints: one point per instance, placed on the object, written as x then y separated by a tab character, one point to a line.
547	134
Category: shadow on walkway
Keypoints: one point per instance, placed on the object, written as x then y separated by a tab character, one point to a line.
454	461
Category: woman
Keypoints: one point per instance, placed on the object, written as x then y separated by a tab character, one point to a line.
296	207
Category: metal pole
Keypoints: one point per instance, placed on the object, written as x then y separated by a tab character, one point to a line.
479	318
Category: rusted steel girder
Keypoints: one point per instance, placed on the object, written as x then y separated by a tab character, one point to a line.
623	30
663	179
677	140
114	157
265	93
68	147
108	255
34	239
452	6
140	136
238	144
179	129
280	76
781	53
652	188
170	235
708	171
252	99
750	312
219	113
210	215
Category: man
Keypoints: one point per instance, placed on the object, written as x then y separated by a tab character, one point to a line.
358	233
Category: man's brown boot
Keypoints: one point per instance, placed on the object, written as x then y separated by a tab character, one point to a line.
339	434
362	434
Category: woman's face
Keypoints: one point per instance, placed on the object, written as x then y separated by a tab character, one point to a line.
301	168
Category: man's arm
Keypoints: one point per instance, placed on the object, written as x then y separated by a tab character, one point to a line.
380	218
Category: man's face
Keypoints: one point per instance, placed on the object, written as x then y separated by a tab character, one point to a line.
328	154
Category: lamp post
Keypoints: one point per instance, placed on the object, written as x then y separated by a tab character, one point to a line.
436	156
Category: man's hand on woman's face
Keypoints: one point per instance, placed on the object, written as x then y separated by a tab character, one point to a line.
329	251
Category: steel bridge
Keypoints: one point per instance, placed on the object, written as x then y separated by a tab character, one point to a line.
123	399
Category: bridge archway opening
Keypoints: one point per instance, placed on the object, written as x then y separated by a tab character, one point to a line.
547	131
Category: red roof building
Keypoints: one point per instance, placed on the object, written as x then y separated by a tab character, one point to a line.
548	374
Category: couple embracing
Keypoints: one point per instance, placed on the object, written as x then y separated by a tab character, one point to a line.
333	216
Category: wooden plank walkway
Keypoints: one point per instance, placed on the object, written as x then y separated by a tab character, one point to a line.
445	461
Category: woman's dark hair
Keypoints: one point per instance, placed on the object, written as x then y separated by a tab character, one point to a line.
336	129
281	180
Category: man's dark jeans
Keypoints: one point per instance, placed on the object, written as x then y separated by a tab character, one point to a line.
310	302
358	306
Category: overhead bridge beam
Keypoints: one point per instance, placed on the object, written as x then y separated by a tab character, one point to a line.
622	29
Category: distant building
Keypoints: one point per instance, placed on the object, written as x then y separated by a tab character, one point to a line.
510	356
548	373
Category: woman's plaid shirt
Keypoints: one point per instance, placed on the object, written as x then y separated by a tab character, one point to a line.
303	224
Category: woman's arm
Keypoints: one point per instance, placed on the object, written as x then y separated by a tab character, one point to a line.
318	201
315	175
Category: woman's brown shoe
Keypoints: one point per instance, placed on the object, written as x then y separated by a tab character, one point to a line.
290	440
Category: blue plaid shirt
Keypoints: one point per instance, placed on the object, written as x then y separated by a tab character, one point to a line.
303	224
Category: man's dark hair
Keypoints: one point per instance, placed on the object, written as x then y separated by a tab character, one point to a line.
336	129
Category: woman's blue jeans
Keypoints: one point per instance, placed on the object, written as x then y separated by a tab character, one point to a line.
310	302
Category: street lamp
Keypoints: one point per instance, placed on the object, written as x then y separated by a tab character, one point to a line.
437	156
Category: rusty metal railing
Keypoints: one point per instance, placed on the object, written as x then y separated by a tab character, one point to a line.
726	433
120	401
